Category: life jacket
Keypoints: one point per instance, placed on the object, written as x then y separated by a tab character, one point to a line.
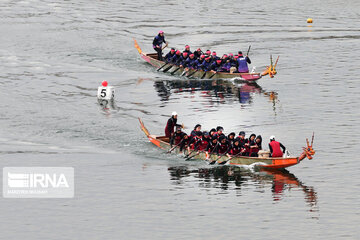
202	145
223	147
205	66
276	151
178	138
235	150
168	56
226	67
174	59
198	63
255	149
243	66
194	142
190	62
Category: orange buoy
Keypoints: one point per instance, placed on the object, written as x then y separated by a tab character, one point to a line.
309	20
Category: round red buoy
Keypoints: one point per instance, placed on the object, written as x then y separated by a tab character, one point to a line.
104	83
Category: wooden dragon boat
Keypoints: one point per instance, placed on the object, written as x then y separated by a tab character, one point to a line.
152	59
264	162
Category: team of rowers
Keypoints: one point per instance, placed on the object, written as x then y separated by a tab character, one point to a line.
198	60
216	142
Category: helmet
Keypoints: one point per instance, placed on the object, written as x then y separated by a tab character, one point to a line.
173	113
272	138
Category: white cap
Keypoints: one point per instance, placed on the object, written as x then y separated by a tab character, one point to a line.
174	113
272	137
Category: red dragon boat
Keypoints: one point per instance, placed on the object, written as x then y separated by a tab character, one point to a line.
264	162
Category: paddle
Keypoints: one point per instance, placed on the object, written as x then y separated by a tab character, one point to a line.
185	72
188	158
162	67
165	46
247	54
167	69
223	162
192	73
175	71
175	146
203	75
213	75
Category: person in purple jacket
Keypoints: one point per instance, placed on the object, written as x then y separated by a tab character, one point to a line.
157	44
242	63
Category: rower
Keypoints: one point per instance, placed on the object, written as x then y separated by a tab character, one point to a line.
177	136
176	57
214	56
205	66
242	63
231	138
216	66
194	132
194	142
275	146
187	50
169	55
182	59
157	44
198	53
219	132
212	132
242	141
223	146
255	146
199	62
190	62
207	53
235	148
171	123
203	143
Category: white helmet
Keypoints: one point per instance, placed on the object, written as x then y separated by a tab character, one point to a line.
272	138
173	113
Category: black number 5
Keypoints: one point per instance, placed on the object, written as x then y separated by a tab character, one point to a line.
103	92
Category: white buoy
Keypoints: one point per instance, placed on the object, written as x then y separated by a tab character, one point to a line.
105	92
253	69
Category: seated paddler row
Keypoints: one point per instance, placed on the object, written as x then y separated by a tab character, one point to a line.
216	142
199	60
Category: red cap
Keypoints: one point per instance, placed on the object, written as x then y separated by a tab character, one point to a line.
225	55
185	54
178	52
230	54
198	49
208	58
187	46
202	56
208	52
192	55
214	53
161	32
172	50
218	61
236	56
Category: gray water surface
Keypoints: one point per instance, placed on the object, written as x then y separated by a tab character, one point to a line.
54	55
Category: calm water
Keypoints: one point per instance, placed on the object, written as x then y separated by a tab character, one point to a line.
54	55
